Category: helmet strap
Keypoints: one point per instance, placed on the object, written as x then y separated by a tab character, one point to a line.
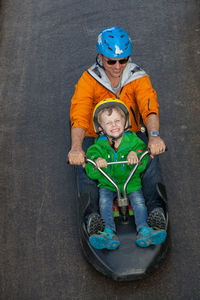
113	139
127	127
113	143
97	62
101	131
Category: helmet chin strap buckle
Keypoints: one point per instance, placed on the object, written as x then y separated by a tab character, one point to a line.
113	143
114	139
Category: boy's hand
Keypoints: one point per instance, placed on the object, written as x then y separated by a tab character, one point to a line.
132	158
101	162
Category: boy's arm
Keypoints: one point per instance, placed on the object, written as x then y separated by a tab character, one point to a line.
140	147
92	153
101	162
132	158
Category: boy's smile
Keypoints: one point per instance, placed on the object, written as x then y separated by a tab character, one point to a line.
113	125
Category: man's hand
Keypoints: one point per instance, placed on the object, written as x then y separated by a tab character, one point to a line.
101	162
156	145
132	158
76	157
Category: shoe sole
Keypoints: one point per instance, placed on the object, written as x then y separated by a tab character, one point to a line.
99	242
155	239
95	225
156	221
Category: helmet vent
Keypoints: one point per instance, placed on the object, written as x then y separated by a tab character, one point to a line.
122	36
111	36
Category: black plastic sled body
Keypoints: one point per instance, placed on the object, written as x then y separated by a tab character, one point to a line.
128	262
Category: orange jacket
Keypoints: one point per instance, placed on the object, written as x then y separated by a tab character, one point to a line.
93	86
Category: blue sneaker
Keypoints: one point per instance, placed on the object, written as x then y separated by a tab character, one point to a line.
147	236
105	240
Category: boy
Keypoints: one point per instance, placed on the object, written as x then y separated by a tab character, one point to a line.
111	120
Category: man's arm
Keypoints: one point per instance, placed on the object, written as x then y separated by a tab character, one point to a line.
155	144
76	155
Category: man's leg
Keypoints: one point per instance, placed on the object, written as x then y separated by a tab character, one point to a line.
152	176
85	185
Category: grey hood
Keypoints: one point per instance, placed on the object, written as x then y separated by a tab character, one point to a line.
130	73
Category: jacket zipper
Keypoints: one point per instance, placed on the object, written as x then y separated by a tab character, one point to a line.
122	165
118	97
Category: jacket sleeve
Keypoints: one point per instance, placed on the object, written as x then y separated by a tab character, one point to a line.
146	98
93	153
82	102
140	147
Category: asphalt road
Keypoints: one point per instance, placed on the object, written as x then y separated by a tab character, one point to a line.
44	48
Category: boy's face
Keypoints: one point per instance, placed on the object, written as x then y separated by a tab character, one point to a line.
113	125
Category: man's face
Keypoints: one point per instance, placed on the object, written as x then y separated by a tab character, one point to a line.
113	124
115	70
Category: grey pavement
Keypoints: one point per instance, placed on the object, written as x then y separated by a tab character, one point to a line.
44	48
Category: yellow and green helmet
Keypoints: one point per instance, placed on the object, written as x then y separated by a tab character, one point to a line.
110	102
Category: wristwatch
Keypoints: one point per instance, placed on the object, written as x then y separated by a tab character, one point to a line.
154	133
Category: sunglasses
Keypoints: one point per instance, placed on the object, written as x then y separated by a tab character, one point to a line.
121	61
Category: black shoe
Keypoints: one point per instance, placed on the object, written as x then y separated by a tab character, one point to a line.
157	219
95	224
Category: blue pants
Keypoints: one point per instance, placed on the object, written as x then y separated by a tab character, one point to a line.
136	198
150	177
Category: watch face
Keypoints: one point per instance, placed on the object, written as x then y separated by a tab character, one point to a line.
154	133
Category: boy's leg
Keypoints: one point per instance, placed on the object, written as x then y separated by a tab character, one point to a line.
107	239
140	211
146	235
106	207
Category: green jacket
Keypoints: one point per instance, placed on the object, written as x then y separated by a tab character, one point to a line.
119	172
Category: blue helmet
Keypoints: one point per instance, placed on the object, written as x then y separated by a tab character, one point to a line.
114	42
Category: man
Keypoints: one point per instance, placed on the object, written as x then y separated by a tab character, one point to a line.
114	75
